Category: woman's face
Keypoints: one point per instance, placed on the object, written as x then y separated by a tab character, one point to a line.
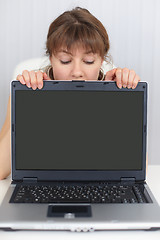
76	65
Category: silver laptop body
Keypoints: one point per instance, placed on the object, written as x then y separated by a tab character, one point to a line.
79	149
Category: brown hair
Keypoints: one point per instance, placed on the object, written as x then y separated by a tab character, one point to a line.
77	27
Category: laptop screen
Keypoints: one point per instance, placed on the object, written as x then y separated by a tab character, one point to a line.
78	130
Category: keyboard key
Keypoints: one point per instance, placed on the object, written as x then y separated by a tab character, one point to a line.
103	193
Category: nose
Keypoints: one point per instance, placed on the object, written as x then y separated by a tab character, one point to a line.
77	71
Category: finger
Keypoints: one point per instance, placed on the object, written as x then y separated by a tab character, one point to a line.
21	79
110	75
125	74
40	79
135	81
33	80
26	77
119	77
45	76
132	75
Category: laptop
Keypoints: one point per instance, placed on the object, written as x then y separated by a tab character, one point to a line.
79	159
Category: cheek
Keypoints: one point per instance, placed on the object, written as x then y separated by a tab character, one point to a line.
59	72
93	73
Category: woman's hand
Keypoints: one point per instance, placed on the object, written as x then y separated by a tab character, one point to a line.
33	79
123	77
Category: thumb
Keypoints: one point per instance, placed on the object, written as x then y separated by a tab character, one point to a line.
110	75
45	76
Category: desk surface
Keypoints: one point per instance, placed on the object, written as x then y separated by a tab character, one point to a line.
153	177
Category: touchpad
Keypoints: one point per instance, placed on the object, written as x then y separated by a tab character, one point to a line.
69	211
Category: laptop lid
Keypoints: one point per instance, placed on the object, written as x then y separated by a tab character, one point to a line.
78	131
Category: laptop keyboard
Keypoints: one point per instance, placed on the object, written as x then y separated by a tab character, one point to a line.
78	194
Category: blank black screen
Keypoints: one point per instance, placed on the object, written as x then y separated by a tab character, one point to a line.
78	130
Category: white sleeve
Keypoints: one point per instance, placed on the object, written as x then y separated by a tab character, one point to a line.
107	66
30	64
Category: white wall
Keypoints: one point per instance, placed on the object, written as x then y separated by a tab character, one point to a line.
133	27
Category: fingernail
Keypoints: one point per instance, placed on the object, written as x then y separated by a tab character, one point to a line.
129	86
124	86
34	87
29	85
23	82
120	85
40	86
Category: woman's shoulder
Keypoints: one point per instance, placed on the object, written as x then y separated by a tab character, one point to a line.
40	63
107	66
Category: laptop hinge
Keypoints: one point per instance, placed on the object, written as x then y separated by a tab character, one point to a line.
30	179
128	179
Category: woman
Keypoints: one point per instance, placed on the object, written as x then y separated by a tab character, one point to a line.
77	45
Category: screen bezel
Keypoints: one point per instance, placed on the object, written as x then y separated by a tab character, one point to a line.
75	175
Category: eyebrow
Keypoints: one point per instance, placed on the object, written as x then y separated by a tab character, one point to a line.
64	51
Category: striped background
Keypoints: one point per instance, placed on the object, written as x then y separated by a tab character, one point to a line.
133	27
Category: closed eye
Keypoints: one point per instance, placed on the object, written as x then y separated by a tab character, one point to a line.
65	62
88	62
